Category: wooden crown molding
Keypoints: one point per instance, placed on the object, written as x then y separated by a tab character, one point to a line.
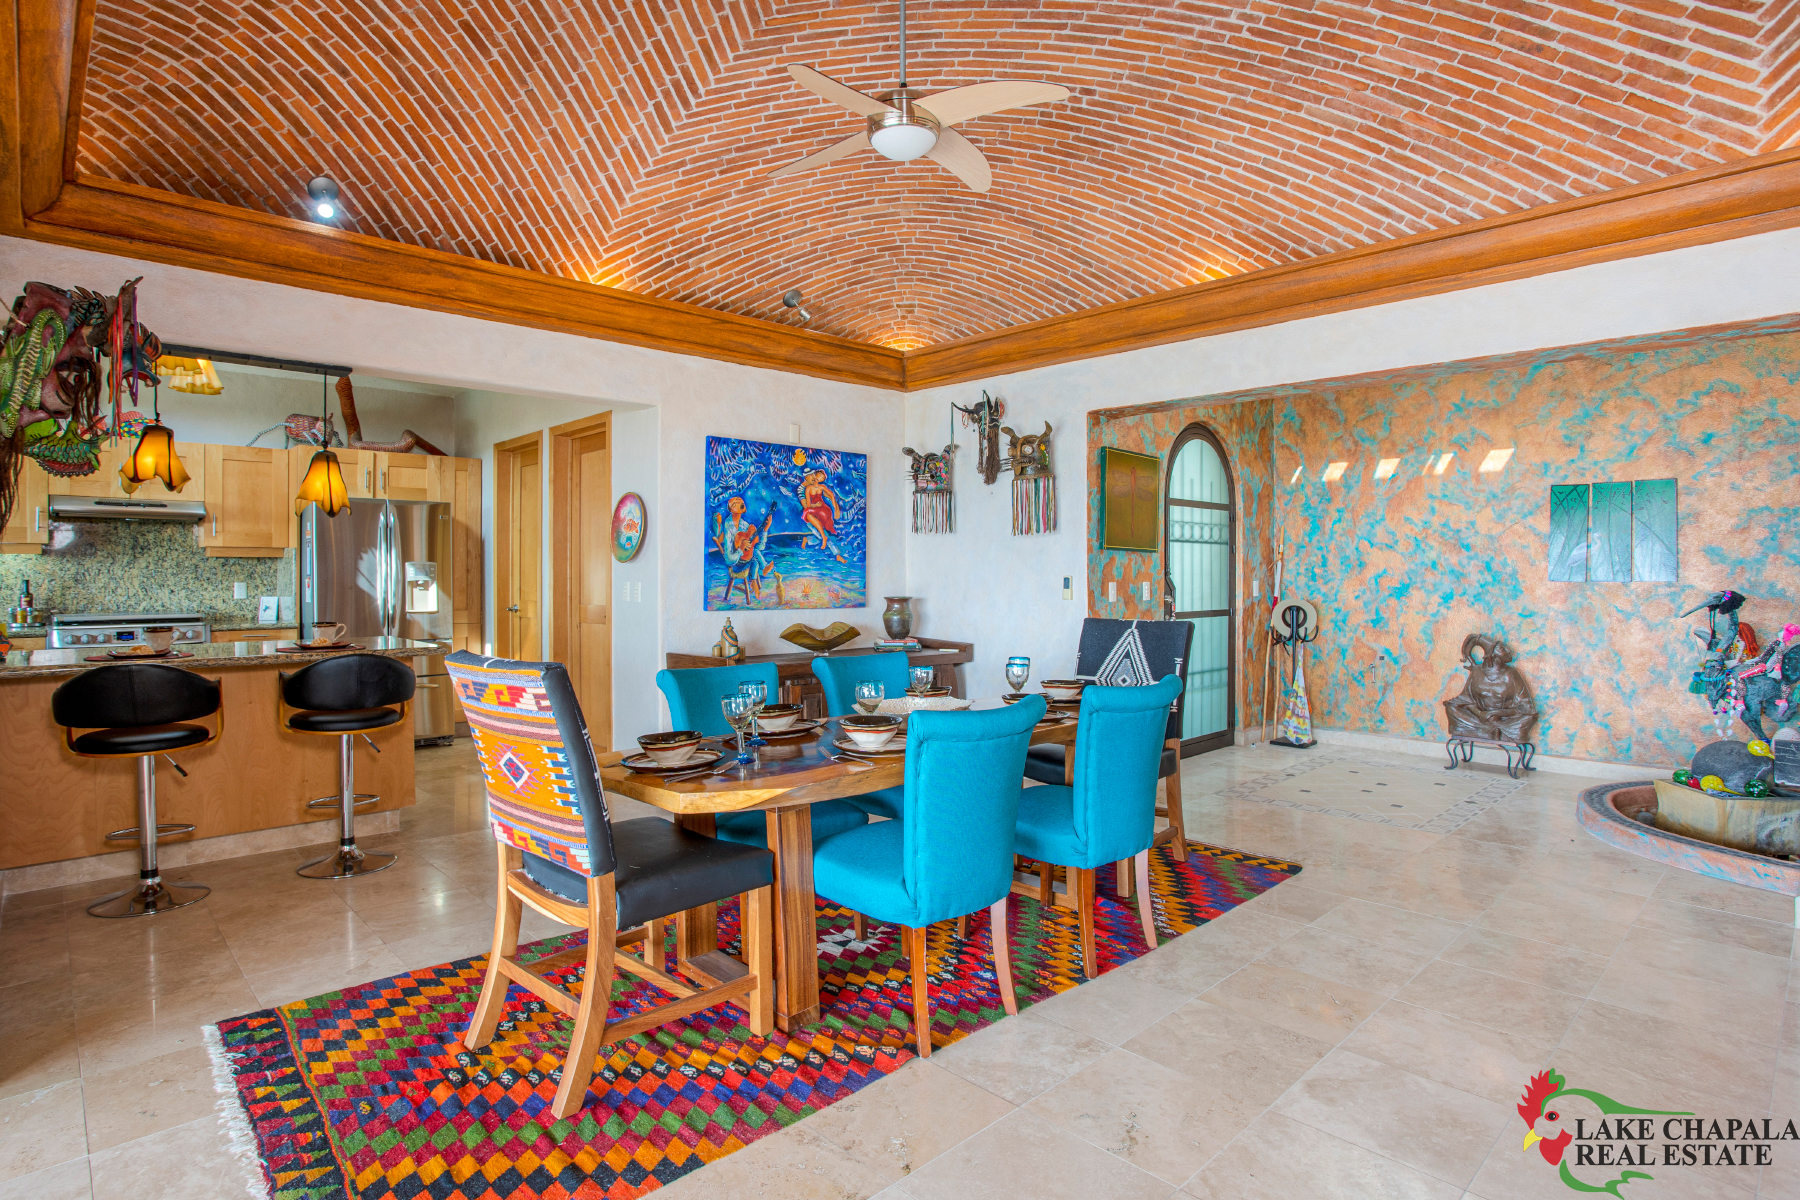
43	70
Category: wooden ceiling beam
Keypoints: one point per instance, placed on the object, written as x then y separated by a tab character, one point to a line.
1714	204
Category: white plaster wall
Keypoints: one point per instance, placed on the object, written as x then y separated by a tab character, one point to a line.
511	380
983	585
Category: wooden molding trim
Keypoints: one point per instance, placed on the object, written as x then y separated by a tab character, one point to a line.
122	218
1714	204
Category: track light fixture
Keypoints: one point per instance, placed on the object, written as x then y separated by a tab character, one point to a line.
793	299
322	197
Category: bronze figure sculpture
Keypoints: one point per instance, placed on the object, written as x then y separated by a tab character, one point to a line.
1496	704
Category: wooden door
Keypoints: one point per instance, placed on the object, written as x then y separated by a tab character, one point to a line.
519	547
413	476
581	565
28	528
248	504
465	555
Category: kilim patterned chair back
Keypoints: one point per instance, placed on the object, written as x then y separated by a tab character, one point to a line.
543	791
1136	654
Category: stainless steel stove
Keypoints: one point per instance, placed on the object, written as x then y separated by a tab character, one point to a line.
121	629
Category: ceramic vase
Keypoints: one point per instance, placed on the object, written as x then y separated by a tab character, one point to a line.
897	617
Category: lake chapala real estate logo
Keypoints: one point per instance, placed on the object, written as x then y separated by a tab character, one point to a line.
1608	1141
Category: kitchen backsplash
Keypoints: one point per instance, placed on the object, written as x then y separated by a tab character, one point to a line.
142	566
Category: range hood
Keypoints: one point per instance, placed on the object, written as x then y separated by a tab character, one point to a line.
64	507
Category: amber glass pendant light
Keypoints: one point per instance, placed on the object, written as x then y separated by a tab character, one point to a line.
324	482
154	456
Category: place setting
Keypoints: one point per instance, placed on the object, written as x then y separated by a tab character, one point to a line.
327	637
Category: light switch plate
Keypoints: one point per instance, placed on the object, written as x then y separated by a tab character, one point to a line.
240	591
1068	587
1112	590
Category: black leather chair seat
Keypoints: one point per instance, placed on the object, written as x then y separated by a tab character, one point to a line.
1045	764
145	739
349	720
664	869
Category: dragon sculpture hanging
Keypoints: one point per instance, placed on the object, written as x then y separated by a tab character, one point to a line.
1738	677
50	378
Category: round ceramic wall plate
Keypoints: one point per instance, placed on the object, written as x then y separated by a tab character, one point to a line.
893	749
645	765
628	525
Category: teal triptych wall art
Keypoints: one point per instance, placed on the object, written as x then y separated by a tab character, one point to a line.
1613	532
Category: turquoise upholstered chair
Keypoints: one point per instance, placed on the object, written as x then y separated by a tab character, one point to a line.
1110	813
694	695
839	677
951	851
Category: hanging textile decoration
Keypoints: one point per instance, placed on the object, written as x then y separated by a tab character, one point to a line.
1294	625
1034	485
932	509
50	376
984	419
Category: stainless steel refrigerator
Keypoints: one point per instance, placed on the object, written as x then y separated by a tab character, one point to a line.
382	568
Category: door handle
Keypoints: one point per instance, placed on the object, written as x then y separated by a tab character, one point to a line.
512	608
215	531
384	481
37	518
427	685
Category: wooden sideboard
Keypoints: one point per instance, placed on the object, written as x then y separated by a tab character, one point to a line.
800	686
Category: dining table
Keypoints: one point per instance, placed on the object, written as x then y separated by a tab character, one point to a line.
787	777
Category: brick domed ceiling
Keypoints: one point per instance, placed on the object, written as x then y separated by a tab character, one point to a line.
630	143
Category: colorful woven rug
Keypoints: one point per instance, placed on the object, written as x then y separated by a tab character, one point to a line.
366	1093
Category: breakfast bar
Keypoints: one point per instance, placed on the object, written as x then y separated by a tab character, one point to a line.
257	776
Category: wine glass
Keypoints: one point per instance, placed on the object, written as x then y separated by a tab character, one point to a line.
1018	672
869	695
759	695
921	677
739	711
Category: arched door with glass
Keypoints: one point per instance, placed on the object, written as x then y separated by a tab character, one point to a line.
1199	524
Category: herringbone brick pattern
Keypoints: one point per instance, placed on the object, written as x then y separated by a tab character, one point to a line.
629	143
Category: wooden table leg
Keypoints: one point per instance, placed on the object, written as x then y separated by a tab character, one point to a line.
697	929
796	920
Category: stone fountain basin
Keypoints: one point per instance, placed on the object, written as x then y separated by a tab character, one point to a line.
1610	811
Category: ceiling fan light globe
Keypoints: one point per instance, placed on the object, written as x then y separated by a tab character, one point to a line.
903	142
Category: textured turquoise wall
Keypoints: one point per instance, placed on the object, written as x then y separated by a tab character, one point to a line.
1404	567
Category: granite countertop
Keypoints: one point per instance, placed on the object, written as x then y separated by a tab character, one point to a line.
21	663
235	626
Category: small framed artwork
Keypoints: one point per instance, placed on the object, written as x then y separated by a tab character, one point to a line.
1130	500
629	519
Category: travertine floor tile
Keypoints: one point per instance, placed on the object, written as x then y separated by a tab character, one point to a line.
1024	1157
65	1181
1367	966
1279	1158
1239	1056
1149	1115
1113	1007
1322	1009
1440	1130
1544	963
148	1097
920	1112
1462	1054
1020	1057
191	1161
1508	1005
1397	927
41	1129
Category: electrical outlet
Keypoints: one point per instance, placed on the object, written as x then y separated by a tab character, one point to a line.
637	591
240	591
793	433
1146	591
1068	587
1112	590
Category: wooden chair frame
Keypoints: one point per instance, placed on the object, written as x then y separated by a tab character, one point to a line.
912	945
752	979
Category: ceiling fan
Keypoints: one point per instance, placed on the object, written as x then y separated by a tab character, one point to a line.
905	124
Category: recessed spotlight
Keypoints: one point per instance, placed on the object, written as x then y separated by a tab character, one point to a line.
322	197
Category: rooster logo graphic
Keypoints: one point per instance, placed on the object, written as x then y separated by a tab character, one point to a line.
1541	1107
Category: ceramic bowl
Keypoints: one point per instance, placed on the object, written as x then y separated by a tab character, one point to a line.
871	731
671	749
1013	697
777	717
925	693
1064	689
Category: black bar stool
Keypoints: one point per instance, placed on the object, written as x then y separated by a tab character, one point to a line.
136	710
343	697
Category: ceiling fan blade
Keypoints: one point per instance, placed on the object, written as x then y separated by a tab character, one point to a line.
979	99
957	154
840	94
831	153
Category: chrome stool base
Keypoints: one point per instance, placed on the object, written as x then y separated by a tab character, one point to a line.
149	897
349	862
335	802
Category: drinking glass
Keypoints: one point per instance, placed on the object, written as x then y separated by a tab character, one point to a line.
739	711
869	695
1018	671
921	677
759	695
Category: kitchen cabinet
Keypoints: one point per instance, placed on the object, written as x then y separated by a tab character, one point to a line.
414	477
249	502
262	633
28	528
